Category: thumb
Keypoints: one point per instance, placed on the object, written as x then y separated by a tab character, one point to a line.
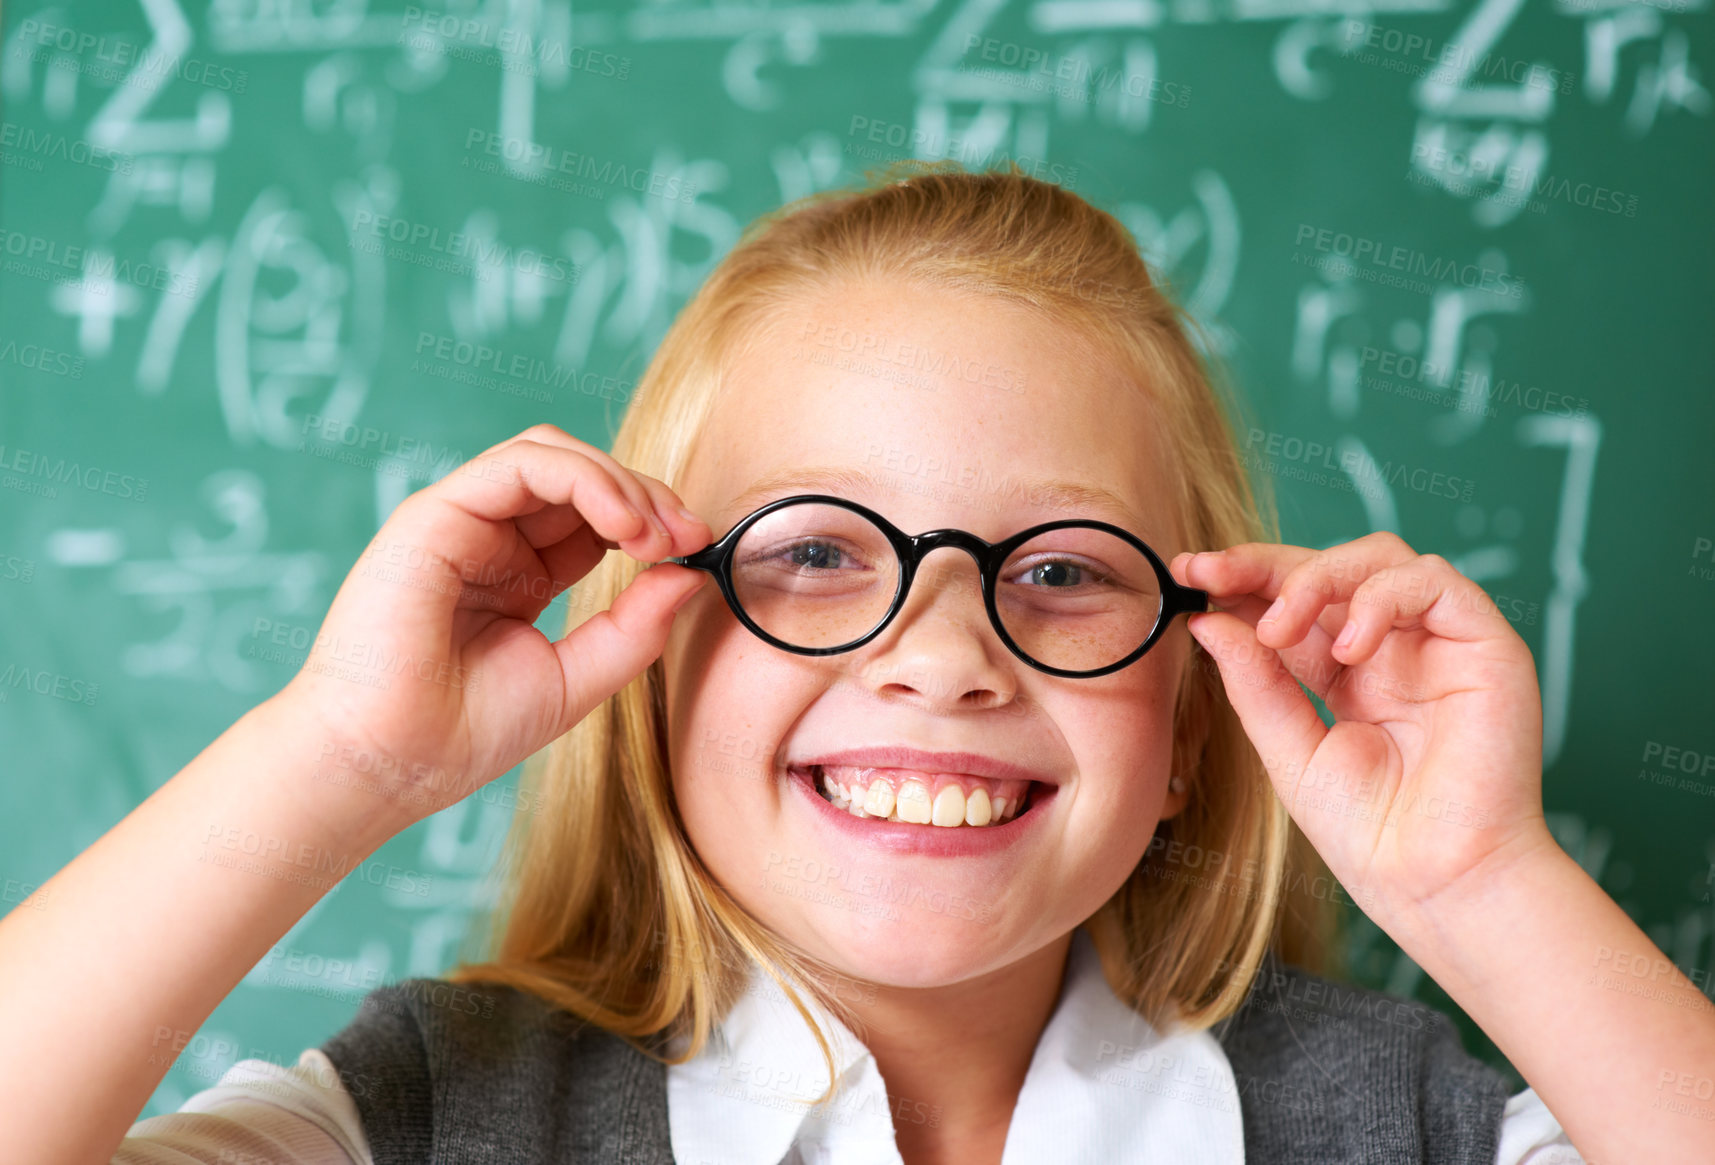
613	647
1276	714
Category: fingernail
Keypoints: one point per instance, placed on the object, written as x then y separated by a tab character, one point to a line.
1274	612
660	526
687	515
1347	633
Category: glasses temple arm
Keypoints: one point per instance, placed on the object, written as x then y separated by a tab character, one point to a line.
1178	600
703	559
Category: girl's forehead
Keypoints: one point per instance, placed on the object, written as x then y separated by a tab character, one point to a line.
989	428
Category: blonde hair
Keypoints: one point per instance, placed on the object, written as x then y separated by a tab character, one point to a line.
608	913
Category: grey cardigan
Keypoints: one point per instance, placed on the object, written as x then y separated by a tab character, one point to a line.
1327	1074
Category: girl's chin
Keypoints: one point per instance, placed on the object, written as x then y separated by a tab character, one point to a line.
905	955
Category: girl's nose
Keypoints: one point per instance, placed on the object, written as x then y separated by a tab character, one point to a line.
941	648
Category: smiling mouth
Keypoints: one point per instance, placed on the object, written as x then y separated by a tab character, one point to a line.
939	800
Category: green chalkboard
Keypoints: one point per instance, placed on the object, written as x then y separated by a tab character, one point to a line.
269	267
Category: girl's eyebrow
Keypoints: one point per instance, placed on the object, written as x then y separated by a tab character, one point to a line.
1078	499
814	479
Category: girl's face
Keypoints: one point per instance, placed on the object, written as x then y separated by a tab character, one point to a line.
957	406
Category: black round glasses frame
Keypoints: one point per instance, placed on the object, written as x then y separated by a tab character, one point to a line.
716	559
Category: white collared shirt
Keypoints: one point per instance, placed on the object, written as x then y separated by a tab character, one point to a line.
1103	1086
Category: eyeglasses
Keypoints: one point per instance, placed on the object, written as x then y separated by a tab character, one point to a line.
819	575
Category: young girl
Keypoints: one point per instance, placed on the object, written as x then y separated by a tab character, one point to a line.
884	848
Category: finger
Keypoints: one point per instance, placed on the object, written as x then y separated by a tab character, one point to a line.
1425	592
553	524
1314	593
632	482
690	533
1277	716
1310	660
612	647
546	434
540	577
1245	580
524	477
573	556
1305	584
552	436
1248	568
534	577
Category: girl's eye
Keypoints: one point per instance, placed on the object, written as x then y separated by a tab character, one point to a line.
805	556
815	555
1056	574
1059	574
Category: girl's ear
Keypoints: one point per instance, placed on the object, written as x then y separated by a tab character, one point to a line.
1191	719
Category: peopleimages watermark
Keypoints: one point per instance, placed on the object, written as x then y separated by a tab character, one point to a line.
456	252
477	581
1637	973
23	894
558	160
39	257
1177	861
414	782
520	49
916	357
1688	1084
362	661
46	682
1677	767
1477	392
873	132
1067	76
117	61
367	447
40	474
1605	5
908	471
514	373
1287	456
315	973
1365	799
791	1090
866	892
1447	63
1474	174
1337	1003
37	146
1702	547
267	855
35	357
1402	266
15	569
1153	1070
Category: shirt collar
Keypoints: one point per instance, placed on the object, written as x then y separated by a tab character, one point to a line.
744	1099
1103	1085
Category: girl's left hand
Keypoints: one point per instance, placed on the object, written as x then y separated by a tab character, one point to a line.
1432	771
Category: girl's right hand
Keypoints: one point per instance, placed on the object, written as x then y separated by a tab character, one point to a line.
429	677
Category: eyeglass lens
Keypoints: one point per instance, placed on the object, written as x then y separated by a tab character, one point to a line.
821	576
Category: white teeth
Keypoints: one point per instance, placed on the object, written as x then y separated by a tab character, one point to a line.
912	802
949	807
977	809
878	800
